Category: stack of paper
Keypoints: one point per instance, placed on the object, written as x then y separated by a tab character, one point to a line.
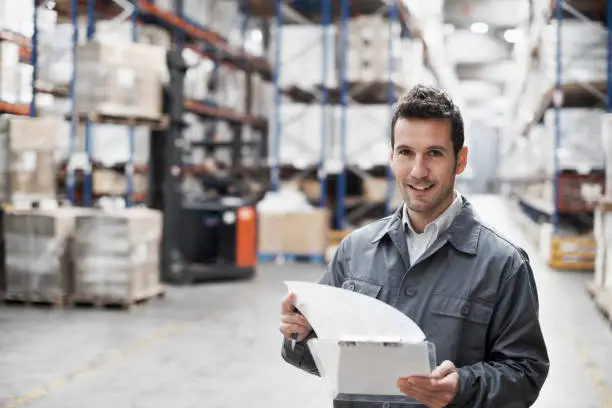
363	346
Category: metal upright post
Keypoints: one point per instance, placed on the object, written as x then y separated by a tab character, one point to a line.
129	170
33	60
557	102
322	173
87	187
275	176
393	17
74	121
341	186
609	68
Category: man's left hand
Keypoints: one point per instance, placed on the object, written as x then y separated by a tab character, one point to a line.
435	391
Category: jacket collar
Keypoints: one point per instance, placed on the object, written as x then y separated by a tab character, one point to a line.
463	233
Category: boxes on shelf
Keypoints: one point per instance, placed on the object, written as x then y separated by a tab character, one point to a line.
28	147
38	261
603	236
116	255
118	80
289	225
111	182
369	38
16	17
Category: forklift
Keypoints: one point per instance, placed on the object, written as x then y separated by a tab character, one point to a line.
212	235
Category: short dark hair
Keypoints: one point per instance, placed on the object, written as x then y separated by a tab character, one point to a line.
427	102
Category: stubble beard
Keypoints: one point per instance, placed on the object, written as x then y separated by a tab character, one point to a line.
435	202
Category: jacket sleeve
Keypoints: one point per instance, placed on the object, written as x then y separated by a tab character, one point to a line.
333	276
516	364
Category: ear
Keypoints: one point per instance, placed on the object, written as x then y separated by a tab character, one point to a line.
461	160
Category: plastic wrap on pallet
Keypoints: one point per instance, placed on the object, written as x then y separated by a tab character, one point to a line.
302	46
580	147
15	77
116	254
368	37
55	48
16	17
583	50
38	265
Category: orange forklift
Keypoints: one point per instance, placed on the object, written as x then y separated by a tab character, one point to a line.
212	236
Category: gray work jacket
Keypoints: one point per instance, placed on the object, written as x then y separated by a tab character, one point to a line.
472	293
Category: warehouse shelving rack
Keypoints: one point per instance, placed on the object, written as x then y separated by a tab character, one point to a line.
187	33
567	206
326	13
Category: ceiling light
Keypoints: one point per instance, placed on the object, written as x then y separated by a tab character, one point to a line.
511	35
479	28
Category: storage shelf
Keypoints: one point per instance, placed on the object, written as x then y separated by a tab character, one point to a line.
209	110
593	9
575	95
14	108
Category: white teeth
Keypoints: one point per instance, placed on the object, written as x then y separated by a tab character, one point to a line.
421	188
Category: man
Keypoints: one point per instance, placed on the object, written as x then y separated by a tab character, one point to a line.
470	290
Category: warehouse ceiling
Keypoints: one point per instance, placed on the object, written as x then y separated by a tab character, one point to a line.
480	36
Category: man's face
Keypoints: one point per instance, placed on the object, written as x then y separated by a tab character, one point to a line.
424	165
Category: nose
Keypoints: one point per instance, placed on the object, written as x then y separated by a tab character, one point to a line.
419	168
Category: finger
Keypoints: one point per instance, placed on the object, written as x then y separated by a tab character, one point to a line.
287	304
443	369
295	319
289	329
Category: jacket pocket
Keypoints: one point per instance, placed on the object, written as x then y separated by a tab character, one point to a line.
461	308
367	288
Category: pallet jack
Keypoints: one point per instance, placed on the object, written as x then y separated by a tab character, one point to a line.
204	238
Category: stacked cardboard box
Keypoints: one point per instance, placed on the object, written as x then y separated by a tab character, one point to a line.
289	226
118	80
27	146
116	255
37	261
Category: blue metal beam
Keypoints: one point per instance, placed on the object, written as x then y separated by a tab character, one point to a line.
322	173
34	60
74	16
557	101
341	186
130	165
275	176
87	182
393	19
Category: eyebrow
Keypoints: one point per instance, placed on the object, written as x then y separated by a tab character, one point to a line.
435	147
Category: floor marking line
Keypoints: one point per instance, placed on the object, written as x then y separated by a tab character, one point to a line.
105	360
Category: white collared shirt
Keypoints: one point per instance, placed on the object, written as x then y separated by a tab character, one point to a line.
419	243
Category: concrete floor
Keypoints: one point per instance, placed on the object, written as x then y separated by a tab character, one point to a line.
217	346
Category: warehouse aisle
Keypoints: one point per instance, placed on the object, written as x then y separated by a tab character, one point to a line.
217	346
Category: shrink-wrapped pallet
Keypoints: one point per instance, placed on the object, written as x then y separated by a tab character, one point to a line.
37	260
116	256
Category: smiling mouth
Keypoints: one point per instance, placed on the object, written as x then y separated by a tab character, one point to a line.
420	188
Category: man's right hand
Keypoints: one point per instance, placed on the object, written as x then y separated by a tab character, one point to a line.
292	321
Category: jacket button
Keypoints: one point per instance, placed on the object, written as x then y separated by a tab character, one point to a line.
349	286
465	309
411	291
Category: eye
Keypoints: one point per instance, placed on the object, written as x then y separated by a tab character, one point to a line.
436	153
403	152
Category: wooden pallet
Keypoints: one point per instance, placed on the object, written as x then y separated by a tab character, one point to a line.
573	253
160	123
34	299
602	298
111	302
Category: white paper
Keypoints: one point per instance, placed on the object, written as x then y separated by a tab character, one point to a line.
341	314
363	346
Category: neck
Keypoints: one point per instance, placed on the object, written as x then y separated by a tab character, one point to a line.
421	220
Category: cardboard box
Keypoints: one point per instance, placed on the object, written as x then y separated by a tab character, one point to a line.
294	232
28	147
110	182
